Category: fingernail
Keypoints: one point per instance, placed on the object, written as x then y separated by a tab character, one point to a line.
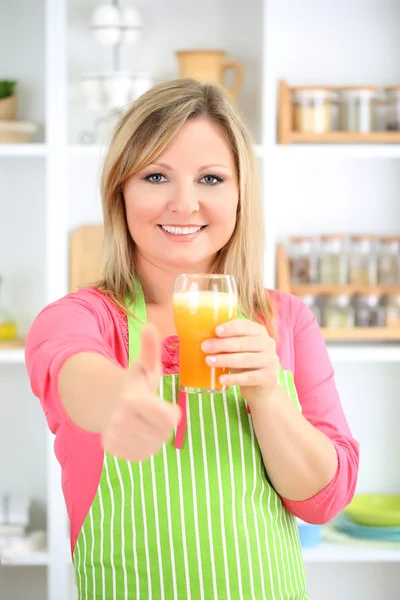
206	346
211	360
223	379
220	330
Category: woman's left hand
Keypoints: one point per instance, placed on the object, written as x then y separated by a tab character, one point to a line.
249	353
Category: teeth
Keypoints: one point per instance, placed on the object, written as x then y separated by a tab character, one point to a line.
180	230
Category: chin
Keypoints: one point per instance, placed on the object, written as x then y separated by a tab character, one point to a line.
190	265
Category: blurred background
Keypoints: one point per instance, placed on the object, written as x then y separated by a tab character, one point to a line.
318	83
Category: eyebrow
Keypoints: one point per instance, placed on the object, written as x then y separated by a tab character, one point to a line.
203	168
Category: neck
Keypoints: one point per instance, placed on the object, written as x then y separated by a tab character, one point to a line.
158	281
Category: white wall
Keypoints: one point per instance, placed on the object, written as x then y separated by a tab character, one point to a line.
348	195
337	43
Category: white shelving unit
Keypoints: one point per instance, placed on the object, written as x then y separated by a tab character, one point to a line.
305	188
364	353
330	553
25	150
36	559
12	357
325	151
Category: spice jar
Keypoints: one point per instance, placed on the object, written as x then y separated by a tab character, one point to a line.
313	110
393	108
357	109
362	264
389	260
8	327
392	311
311	301
332	260
303	260
339	312
369	311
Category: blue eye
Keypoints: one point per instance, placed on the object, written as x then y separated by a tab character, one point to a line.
211	179
155	178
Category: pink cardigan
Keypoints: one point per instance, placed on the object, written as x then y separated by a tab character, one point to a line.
88	321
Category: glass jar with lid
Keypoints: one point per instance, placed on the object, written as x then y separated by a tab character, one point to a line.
392	311
311	301
388	260
8	326
313	109
358	108
393	108
369	311
338	312
332	260
362	263
303	260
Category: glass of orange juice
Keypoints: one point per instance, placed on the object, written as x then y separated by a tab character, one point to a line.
200	303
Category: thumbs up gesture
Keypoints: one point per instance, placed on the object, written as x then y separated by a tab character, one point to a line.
141	421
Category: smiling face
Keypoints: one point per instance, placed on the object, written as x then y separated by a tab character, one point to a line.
181	209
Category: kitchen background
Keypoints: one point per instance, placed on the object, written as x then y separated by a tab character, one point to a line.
329	161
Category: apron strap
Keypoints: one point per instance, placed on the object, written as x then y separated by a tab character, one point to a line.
181	429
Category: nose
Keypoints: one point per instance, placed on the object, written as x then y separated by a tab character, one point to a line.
184	199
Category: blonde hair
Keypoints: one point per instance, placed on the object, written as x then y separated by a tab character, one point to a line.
142	134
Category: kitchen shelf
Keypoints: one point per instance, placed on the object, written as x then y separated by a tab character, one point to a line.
285	285
12	352
12	357
318	289
35	559
361	334
355	334
330	552
25	150
287	136
12	344
339	150
360	352
342	137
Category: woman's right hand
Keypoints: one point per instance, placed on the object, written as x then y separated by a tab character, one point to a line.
141	422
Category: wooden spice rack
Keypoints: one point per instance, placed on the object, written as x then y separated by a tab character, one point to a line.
17	344
356	334
286	135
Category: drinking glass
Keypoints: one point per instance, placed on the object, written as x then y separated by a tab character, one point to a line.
200	303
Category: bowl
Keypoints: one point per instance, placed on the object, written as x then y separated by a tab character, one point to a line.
377	510
310	534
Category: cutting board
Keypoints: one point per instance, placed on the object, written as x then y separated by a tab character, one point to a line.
85	246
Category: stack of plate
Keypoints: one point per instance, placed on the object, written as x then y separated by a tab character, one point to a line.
374	517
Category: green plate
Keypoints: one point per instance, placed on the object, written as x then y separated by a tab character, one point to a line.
377	510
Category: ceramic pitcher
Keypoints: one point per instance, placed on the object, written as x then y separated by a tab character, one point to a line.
210	66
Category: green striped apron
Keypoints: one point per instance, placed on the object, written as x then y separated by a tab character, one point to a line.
201	522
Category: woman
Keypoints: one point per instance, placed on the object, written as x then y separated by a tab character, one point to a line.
188	498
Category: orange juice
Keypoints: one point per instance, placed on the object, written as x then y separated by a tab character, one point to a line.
196	316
